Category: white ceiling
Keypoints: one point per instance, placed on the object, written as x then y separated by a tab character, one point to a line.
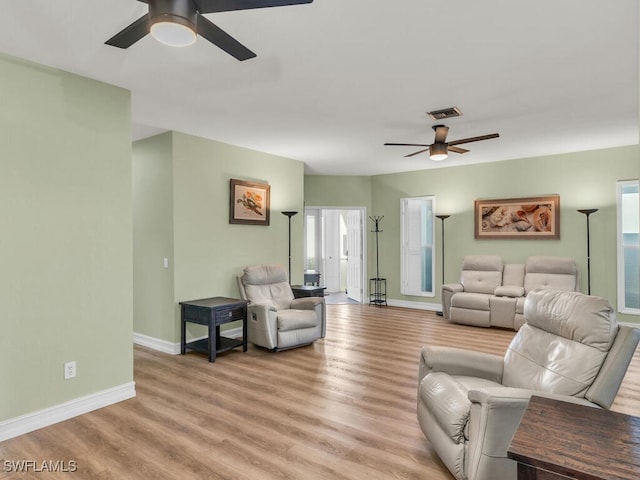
336	79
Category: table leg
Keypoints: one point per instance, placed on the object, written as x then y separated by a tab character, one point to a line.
244	333
213	340
183	333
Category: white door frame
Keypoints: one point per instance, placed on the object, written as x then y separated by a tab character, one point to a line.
355	256
363	212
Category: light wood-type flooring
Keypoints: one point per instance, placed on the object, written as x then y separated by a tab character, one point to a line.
343	408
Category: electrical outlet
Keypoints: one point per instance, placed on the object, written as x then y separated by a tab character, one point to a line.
69	370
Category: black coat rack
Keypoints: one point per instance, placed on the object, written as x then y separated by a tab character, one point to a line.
377	285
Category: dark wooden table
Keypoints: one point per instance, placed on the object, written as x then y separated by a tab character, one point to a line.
560	440
213	312
300	291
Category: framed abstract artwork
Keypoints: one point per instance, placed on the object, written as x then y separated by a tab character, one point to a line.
249	202
516	218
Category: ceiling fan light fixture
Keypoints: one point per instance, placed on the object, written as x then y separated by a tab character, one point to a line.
438	152
173	31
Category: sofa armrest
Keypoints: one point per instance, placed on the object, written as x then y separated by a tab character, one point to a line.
453	287
509	291
458	361
313	303
262	325
446	292
494	417
497	396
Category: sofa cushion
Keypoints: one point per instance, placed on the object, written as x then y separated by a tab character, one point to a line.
481	273
264	274
547	280
566	356
292	319
509	291
267	285
471	301
277	295
559	273
481	282
550	264
586	319
513	274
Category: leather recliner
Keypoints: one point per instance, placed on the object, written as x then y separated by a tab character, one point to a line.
276	320
470	403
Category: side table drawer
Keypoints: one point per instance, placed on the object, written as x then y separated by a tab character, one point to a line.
224	315
194	314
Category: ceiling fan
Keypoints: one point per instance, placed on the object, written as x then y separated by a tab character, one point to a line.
176	23
440	148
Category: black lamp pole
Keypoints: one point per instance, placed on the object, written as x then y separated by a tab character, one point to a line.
587	212
443	218
289	214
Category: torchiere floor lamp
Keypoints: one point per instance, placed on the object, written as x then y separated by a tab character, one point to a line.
443	218
289	214
587	212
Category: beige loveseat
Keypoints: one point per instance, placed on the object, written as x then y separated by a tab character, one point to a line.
492	294
470	403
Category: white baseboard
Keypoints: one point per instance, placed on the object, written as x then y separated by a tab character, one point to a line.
43	418
171	348
434	307
158	344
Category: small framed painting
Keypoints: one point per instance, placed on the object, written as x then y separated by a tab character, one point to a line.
249	203
515	218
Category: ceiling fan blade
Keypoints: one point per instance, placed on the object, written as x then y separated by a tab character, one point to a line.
407	145
441	133
212	6
222	39
418	152
457	149
474	139
131	34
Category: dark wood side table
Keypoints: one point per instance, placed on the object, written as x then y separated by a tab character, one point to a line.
560	440
300	291
213	312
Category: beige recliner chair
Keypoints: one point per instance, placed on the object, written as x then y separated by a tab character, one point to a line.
467	302
470	403
276	320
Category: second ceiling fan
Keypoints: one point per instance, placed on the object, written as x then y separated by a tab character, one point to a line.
177	22
440	148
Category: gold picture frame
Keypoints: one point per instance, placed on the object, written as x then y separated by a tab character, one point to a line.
518	218
249	203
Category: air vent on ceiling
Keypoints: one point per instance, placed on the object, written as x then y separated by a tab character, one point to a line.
445	113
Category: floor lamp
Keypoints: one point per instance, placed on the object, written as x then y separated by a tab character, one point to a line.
289	214
587	212
443	218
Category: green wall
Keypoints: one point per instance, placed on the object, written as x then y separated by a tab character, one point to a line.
191	224
333	191
66	251
153	292
583	180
